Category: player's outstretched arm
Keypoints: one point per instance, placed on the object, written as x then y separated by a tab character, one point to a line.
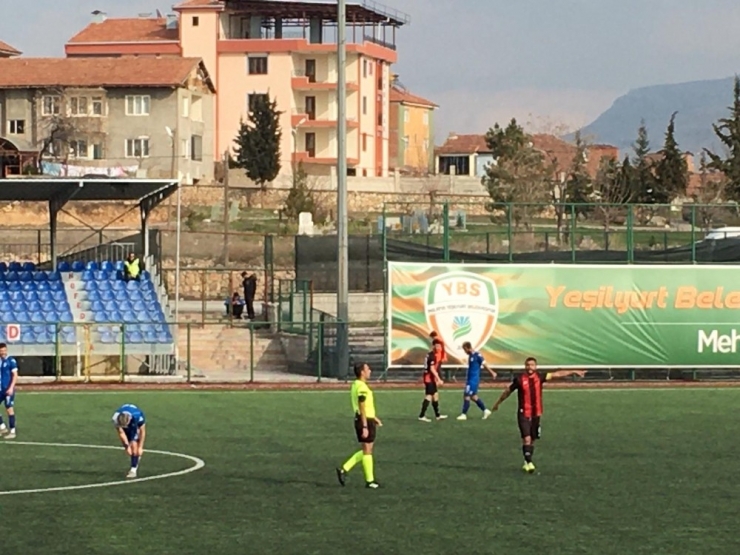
490	371
560	374
504	396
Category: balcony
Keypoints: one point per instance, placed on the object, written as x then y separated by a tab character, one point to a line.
302	82
306	158
300	118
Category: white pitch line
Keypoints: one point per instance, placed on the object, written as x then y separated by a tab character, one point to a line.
199	463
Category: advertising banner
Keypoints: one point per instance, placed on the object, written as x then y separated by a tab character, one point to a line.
576	316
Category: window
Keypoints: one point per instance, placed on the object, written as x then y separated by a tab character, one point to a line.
98	151
310	143
137	148
364	105
138	105
406	115
196	21
364	142
186	107
97	105
78	106
426	118
78	149
196	148
185	149
252	100
51	106
257	65
196	108
364	68
16	127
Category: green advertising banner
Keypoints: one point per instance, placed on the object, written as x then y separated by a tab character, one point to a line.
580	316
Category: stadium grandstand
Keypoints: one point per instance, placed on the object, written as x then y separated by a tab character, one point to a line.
80	304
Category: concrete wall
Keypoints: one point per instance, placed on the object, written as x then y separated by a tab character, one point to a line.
363	307
481	162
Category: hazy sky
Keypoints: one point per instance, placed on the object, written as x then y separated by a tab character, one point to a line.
549	62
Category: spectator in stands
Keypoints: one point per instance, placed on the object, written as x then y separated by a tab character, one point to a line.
235	306
249	283
132	268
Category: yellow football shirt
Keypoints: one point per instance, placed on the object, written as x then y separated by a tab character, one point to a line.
361	389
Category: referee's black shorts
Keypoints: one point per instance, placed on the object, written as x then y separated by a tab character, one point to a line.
529	427
371	430
430	388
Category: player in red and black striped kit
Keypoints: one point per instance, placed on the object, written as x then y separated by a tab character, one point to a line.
528	386
431	382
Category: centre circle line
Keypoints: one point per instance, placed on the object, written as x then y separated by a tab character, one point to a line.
198	464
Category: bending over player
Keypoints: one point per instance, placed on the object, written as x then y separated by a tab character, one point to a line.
130	422
529	387
432	381
8	379
472	382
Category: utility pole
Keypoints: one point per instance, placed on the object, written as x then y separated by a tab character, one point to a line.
342	239
226	208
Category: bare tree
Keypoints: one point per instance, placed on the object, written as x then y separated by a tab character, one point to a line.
709	196
612	189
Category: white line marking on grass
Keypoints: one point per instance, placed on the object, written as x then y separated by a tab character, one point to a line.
198	464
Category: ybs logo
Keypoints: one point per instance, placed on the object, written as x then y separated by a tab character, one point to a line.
461	306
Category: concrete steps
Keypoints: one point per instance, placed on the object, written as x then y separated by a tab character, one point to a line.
223	349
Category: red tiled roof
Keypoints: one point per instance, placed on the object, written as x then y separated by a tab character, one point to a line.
188	4
463	144
169	71
127	30
405	97
5	48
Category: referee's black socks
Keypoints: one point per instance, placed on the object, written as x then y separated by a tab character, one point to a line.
528	451
424	407
435	406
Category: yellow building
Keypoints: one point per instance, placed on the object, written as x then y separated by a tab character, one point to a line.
412	132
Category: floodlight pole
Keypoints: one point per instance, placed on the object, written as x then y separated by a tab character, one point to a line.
342	239
177	255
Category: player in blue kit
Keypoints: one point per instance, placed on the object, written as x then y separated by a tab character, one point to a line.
472	381
130	422
8	379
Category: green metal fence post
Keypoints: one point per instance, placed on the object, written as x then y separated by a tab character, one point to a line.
573	216
251	352
386	293
188	361
270	267
509	232
693	233
123	353
58	355
630	234
279	306
320	349
306	299
446	231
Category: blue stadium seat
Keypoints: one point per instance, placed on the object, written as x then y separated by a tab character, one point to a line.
69	339
40	276
92	266
164	338
150	337
29	296
119	265
14	286
64	266
104	286
91	285
61	306
135	296
4	295
48	306
134	337
45	296
130	318
78	266
107	295
3	267
101	275
108	266
28	286
11	276
43	286
126	306
37	318
59	296
15	267
56	286
66	317
144	317
121	296
28	267
93	296
28	337
88	275
53	276
107	337
25	276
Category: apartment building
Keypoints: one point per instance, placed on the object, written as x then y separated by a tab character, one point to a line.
151	117
286	50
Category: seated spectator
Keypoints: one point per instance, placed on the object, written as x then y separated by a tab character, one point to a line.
132	268
235	306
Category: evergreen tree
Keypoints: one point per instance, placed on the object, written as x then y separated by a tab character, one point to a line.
300	198
578	188
258	141
643	180
671	171
519	173
728	131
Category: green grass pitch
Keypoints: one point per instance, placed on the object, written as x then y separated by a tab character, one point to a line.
618	472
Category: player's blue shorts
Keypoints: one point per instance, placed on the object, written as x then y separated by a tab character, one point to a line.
132	434
471	388
7	400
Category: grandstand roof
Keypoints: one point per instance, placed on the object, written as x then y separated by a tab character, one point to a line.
42	189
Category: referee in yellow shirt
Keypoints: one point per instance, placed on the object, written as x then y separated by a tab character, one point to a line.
366	423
